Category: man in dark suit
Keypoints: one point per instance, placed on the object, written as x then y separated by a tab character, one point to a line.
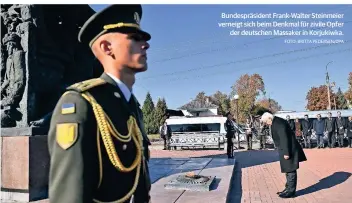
97	141
306	128
340	127
290	151
230	134
318	129
349	131
330	130
291	123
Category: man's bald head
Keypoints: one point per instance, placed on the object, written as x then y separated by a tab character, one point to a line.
267	118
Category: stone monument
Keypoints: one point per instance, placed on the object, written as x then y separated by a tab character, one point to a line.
40	57
191	182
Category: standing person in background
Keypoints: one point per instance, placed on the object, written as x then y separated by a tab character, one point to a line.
349	131
340	128
260	130
298	132
165	134
306	126
162	135
318	129
230	134
249	133
330	130
291	123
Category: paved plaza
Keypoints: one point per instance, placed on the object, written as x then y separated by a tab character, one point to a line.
325	177
256	176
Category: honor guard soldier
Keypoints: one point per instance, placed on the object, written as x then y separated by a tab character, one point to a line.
230	134
97	142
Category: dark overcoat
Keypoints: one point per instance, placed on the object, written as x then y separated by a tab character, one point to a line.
340	125
287	144
349	129
292	125
81	170
306	127
230	129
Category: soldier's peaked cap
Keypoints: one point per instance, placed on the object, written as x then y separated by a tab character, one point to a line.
114	18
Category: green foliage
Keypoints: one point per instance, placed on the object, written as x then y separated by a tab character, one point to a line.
259	108
348	93
317	98
149	115
248	87
222	101
269	104
341	101
160	111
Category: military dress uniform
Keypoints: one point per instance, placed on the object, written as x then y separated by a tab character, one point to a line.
230	134
260	129
97	142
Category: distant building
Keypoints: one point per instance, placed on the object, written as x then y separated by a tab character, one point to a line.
285	111
199	109
174	113
313	114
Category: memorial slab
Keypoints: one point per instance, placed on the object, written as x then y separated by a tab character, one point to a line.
223	169
191	183
219	170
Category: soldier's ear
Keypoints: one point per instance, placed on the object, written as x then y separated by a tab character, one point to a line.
106	47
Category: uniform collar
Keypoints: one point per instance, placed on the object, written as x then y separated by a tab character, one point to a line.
124	89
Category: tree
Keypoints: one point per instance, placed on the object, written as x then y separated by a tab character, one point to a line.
317	98
148	115
160	111
348	94
222	101
341	102
270	104
201	98
248	87
258	108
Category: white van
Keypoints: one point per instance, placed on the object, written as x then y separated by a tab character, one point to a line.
199	131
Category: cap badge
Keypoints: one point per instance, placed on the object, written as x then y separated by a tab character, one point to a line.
136	17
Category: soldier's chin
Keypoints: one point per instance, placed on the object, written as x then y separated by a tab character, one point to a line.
141	68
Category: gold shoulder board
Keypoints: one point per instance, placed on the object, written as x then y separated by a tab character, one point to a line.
87	84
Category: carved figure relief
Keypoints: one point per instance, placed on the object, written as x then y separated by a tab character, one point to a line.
40	57
14	63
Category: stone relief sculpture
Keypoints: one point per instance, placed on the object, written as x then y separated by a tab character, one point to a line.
40	57
12	86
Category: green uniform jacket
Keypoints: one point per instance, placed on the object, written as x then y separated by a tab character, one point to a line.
81	171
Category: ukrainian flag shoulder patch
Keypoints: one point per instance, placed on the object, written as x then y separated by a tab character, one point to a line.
68	108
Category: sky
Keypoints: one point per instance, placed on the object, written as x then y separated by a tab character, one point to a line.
190	53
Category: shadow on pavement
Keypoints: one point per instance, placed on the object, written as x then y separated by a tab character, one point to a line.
246	159
325	183
215	184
